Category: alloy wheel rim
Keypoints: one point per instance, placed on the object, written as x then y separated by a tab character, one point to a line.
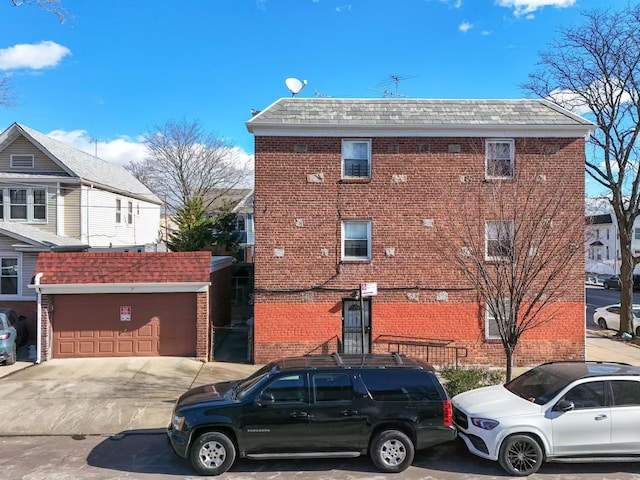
393	452
522	456
212	454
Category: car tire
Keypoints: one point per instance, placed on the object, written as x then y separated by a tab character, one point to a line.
638	332
602	323
212	453
11	359
392	451
520	455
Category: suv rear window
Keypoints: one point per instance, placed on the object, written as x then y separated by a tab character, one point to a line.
401	386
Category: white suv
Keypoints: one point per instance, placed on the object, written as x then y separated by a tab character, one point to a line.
559	411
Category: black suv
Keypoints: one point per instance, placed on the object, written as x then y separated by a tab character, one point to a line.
386	405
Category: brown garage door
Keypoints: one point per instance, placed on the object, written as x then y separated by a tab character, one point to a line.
91	325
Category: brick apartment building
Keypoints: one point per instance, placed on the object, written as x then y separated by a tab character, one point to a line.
348	191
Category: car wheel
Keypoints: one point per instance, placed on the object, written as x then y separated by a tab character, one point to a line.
520	455
638	332
392	451
11	359
212	453
602	323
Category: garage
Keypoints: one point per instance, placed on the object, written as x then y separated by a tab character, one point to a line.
124	325
123	304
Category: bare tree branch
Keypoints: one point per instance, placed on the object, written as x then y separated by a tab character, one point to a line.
186	162
54	7
595	67
526	274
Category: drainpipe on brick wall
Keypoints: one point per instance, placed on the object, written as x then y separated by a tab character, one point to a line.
38	317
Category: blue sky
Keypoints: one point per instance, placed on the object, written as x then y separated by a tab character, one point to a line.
118	68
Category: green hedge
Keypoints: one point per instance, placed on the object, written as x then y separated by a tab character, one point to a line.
461	379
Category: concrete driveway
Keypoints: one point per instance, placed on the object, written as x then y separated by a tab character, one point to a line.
102	395
105	396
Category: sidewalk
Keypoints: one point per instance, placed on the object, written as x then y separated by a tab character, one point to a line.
603	347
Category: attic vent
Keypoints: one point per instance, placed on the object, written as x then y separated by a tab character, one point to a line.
22	161
425	148
454	148
395	148
300	148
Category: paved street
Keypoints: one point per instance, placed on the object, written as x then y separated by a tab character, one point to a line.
150	457
599	297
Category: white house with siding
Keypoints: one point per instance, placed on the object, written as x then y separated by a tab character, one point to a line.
55	197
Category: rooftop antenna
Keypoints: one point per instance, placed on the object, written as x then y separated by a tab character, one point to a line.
393	81
294	85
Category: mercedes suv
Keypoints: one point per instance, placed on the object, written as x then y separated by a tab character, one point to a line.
341	406
559	411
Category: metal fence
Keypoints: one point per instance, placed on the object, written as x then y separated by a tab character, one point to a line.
435	351
232	344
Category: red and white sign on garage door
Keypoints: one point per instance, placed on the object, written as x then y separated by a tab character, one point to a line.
125	314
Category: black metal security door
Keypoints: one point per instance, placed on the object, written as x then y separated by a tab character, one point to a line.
352	326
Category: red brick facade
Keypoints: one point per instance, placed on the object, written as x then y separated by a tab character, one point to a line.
300	280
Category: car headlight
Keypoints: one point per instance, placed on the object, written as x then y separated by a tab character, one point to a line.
177	422
485	423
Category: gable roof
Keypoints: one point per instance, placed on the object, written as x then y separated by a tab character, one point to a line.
417	117
82	165
124	268
599	219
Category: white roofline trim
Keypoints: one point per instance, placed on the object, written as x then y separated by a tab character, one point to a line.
80	288
555	131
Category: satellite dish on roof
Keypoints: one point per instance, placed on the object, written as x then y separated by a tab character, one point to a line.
294	85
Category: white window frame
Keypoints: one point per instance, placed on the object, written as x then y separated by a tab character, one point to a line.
18	257
489	316
488	238
347	141
130	213
29	205
343	255
13	155
487	159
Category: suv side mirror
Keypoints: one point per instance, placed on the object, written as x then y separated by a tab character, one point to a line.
563	406
265	399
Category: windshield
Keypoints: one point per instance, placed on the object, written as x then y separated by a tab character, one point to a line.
246	386
537	385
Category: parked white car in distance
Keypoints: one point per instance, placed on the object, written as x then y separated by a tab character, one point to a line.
559	411
608	317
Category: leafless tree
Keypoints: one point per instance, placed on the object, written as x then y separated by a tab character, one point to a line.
519	247
53	7
595	68
185	162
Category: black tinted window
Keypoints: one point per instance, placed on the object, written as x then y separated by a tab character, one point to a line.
401	386
625	392
289	388
587	395
332	387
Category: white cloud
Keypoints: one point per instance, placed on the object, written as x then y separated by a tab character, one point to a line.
526	7
345	8
465	27
453	3
119	151
486	32
35	56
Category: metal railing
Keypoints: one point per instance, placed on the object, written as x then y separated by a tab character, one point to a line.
232	344
437	352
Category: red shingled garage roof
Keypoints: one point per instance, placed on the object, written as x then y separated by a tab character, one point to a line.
124	304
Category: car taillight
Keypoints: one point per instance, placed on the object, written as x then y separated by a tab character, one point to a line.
4	336
447	413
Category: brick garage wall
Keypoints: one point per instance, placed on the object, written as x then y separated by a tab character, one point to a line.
203	327
300	201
